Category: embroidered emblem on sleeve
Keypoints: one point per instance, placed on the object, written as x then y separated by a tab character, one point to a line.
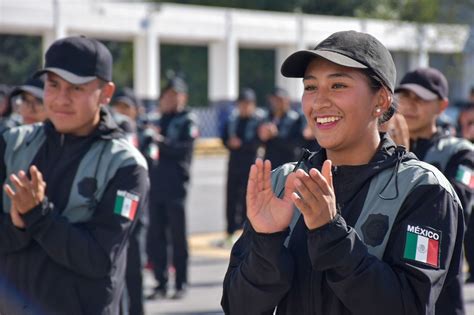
422	244
465	175
126	204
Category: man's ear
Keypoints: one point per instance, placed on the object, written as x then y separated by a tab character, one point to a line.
443	104
107	92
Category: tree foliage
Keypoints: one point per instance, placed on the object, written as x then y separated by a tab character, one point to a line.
20	57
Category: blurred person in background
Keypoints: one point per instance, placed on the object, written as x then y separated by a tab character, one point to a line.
282	131
397	129
126	103
8	119
29	100
240	137
423	96
177	130
466	122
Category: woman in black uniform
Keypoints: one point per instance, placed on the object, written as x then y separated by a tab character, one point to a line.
358	227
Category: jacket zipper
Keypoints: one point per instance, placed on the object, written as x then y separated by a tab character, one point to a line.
62	140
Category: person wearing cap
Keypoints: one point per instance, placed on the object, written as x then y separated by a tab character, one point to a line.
29	99
423	96
125	109
344	230
282	132
466	122
73	188
240	137
8	117
177	128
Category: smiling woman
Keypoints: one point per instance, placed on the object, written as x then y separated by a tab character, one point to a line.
327	234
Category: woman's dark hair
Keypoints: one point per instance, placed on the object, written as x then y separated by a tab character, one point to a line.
376	84
5	96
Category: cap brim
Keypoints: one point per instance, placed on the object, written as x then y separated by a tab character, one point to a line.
422	92
295	65
66	75
33	90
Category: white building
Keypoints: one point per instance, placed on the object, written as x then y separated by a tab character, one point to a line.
224	31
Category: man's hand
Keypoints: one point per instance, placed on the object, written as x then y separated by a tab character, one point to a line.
234	143
27	193
266	212
315	198
267	131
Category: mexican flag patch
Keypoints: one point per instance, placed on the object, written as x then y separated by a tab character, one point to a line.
422	245
126	204
465	176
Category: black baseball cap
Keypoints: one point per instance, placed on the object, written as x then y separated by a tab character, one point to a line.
347	48
78	60
126	96
34	86
247	94
178	84
428	83
280	92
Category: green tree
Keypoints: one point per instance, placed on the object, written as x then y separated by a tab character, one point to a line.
257	71
189	62
20	57
122	54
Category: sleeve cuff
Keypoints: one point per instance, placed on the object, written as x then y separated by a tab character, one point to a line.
37	213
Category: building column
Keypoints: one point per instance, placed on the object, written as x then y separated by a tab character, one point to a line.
59	28
420	57
146	62
223	66
294	86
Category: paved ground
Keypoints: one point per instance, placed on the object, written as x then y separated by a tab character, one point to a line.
208	262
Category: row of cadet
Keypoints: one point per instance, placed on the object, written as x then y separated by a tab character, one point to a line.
166	140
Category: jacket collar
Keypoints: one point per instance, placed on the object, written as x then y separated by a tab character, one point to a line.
107	128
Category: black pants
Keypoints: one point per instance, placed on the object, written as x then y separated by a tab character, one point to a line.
133	274
236	208
168	227
469	244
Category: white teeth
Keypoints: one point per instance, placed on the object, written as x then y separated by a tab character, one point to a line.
325	120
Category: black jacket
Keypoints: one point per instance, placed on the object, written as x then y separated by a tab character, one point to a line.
328	270
244	128
58	267
462	157
285	147
175	156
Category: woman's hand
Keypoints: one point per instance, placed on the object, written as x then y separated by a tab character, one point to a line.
266	212
315	197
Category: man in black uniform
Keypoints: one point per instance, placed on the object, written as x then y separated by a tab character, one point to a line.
282	132
423	96
126	103
74	187
177	130
240	137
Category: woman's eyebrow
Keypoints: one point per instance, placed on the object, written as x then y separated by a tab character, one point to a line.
332	75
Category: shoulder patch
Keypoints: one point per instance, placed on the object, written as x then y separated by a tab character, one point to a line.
422	244
465	175
126	204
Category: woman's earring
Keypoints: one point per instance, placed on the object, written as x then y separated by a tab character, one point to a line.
377	110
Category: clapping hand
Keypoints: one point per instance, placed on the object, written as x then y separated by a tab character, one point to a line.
27	193
266	212
315	197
